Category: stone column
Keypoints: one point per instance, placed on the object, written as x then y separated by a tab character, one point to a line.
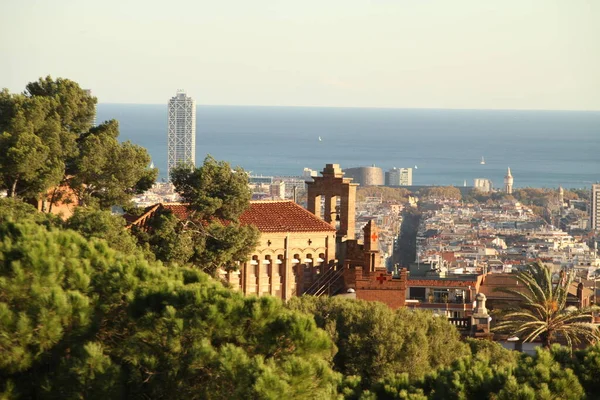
330	203
480	320
313	203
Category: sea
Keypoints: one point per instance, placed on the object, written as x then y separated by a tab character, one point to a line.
444	147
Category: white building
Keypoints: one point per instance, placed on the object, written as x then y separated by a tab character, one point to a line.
595	208
482	184
508	182
399	177
181	131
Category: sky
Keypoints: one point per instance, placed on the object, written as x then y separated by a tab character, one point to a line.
474	54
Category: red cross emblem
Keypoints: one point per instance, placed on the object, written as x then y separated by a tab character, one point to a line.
374	237
381	278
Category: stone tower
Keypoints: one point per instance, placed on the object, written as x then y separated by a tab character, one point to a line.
508	182
371	247
332	186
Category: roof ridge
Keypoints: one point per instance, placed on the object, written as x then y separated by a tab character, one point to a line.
270	201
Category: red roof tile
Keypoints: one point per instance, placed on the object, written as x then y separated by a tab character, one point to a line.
267	216
283	216
180	210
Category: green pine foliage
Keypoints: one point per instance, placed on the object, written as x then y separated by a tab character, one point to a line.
81	320
212	236
94	223
491	372
165	238
375	341
47	143
214	190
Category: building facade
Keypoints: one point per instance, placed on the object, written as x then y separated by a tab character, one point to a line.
365	176
595	208
295	249
181	131
399	177
482	184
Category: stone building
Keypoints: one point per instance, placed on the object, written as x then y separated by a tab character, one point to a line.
358	272
295	248
301	252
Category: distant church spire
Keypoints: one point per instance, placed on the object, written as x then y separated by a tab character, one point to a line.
508	182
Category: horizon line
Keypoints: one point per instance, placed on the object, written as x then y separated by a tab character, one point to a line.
363	107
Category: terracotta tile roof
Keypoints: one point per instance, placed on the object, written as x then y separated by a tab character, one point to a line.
283	216
135	219
267	216
180	210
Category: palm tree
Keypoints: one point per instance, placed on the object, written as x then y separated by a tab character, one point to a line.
543	310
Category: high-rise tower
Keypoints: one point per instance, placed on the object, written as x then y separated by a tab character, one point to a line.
508	182
595	208
181	131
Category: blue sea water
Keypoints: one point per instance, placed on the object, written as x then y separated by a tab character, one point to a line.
542	148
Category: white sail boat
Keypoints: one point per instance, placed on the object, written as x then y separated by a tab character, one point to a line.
482	161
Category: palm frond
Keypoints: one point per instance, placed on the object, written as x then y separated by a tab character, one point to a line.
542	310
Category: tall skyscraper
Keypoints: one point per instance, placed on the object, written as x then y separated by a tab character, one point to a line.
595	208
508	182
181	131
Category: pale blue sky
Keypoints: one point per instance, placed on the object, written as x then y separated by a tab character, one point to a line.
514	54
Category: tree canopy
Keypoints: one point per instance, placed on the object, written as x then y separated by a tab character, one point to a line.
80	320
442	192
375	341
213	190
47	140
107	172
216	195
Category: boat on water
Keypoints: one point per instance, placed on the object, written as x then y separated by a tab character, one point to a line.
482	161
320	140
416	167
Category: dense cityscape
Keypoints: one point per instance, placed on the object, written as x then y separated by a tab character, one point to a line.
346	200
223	284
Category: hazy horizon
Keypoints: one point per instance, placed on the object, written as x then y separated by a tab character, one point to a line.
432	54
367	107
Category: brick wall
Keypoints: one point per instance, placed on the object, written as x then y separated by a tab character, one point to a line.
378	285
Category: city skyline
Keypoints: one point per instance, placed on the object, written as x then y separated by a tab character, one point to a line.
380	53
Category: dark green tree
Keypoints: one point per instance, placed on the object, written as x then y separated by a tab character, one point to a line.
17	211
375	341
216	196
46	143
490	372
75	107
99	224
166	237
214	190
30	145
81	320
107	172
